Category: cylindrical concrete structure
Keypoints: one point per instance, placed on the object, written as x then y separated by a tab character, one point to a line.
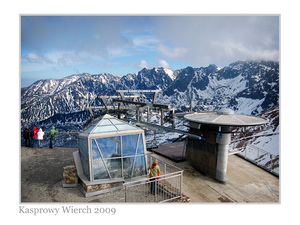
223	141
219	123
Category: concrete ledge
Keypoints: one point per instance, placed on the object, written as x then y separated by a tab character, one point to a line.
98	192
68	185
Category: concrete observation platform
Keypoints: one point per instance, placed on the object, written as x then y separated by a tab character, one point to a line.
42	169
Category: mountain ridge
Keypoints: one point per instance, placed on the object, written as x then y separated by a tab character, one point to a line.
207	88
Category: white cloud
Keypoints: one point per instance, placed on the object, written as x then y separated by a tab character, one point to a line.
171	53
144	64
163	63
243	51
31	57
34	58
145	41
202	40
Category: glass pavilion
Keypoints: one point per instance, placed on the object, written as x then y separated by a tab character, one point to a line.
110	150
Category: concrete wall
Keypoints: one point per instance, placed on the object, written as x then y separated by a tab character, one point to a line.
203	154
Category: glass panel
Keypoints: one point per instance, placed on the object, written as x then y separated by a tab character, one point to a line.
115	121
140	150
104	122
127	167
95	150
115	167
110	147
129	143
140	166
85	166
125	127
100	129
83	153
83	146
99	170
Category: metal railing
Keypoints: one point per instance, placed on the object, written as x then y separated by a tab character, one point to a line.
254	154
261	158
166	187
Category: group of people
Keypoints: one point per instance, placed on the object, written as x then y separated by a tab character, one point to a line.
34	136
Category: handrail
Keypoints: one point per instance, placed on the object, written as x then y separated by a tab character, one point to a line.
257	158
175	167
161	177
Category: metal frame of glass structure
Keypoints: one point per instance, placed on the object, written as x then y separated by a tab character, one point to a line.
112	150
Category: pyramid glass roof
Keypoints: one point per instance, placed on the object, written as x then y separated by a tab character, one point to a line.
109	124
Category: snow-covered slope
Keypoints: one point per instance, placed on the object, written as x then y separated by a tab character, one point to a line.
248	87
262	145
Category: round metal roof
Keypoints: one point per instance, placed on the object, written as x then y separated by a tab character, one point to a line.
225	117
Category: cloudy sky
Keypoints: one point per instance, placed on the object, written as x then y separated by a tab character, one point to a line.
58	46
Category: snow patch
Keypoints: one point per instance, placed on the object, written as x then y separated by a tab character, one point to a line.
170	73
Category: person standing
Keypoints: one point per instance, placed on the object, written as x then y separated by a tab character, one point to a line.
154	174
33	133
26	137
40	136
52	134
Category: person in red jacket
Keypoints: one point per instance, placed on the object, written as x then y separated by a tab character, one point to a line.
33	133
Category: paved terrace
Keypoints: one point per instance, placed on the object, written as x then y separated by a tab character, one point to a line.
42	169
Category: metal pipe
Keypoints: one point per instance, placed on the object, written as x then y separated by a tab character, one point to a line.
137	145
168	176
181	183
130	102
125	193
154	126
